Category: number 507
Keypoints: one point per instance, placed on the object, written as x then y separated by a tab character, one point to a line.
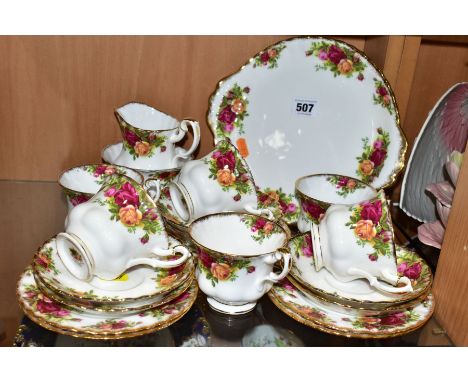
304	107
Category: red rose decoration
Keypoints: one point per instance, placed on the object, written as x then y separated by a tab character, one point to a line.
335	54
101	169
264	57
227	159
227	115
372	211
131	137
313	209
127	195
260	223
381	90
78	199
393	319
205	259
378	156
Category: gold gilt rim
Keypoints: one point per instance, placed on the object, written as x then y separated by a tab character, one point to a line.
340	332
234	256
190	262
117	113
73	305
335	327
399	166
311	198
344	300
139	170
137	173
394	307
81	332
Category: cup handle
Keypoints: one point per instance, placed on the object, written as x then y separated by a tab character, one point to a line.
387	276
181	131
281	253
156	183
262	211
156	263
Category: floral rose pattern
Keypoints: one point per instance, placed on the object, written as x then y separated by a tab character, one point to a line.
52	310
281	204
261	228
382	96
287	288
313	210
167	276
76	198
269	58
228	169
337	58
232	111
130	208
410	265
141	143
344	185
371	224
302	246
172	308
113	325
390	321
222	268
44	262
372	159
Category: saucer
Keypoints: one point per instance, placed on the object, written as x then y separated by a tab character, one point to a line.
113	310
54	316
309	310
136	284
110	153
358	293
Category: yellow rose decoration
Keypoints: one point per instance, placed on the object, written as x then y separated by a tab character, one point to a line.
142	148
365	230
366	167
225	177
130	216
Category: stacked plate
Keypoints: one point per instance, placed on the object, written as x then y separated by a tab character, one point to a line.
353	309
140	301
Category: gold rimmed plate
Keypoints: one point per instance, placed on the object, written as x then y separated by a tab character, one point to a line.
55	316
357	293
313	312
135	285
309	105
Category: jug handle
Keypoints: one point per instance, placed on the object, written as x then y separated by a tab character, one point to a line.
181	131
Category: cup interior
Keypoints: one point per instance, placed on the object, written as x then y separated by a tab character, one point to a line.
235	234
145	117
86	179
326	188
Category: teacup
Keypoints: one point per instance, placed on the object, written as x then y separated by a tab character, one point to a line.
316	193
220	181
356	241
236	254
149	138
81	183
118	228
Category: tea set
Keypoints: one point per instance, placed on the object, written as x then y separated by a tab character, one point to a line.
150	225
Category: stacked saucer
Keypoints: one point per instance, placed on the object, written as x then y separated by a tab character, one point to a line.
355	308
142	300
